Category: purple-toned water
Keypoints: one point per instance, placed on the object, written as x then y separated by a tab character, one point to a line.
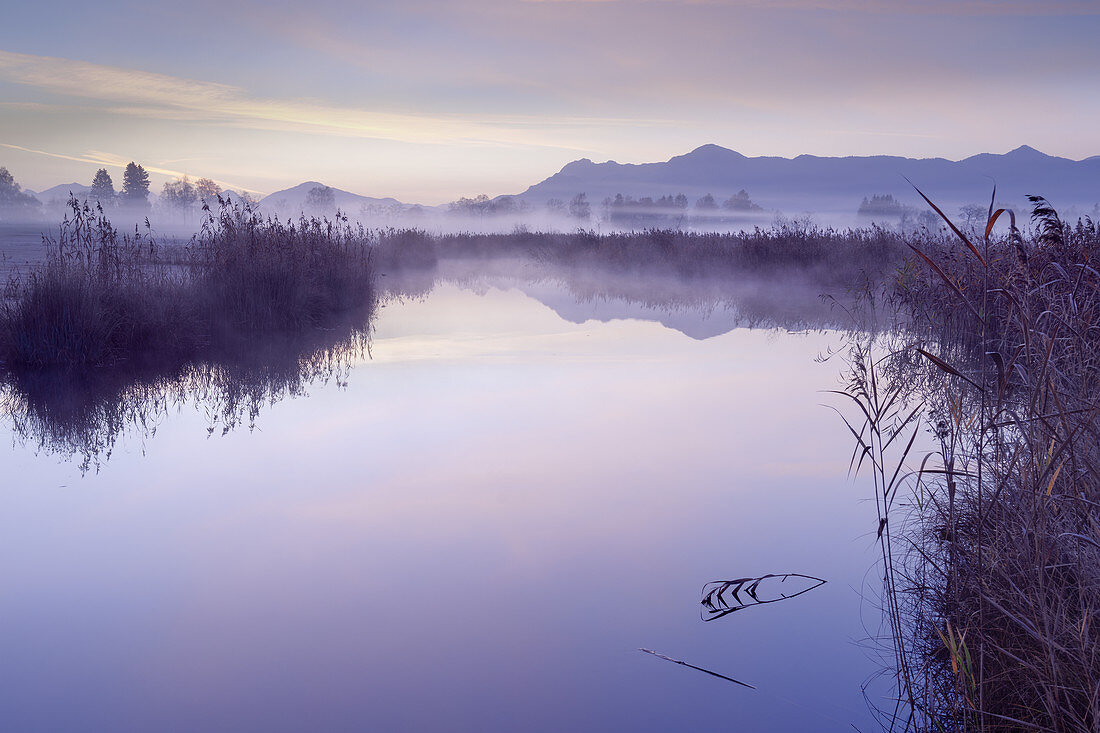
477	533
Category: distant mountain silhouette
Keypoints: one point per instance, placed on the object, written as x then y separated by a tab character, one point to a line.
61	192
806	183
812	183
292	201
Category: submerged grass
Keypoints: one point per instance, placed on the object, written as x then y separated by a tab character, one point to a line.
993	571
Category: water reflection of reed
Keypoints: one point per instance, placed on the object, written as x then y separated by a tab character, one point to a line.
81	415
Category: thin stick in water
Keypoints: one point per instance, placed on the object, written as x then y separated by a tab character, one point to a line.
713	674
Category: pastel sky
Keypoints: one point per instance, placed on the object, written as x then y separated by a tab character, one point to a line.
429	100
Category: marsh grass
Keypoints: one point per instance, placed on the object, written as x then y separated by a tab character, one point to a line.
823	255
105	298
114	331
992	560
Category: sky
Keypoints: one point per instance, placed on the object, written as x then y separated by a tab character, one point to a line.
430	100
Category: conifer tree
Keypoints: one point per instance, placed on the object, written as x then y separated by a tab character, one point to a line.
103	188
135	185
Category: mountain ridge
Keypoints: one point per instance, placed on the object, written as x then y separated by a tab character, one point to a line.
292	201
804	183
823	183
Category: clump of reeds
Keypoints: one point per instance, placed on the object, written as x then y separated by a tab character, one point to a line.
90	299
826	255
993	586
105	298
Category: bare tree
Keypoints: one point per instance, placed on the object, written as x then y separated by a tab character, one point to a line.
207	190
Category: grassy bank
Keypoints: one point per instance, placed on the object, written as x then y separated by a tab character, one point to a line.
103	298
993	567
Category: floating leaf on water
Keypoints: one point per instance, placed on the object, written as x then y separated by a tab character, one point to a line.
722	597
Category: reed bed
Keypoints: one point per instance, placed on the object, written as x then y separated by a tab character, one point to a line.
105	298
991	545
102	297
825	255
112	330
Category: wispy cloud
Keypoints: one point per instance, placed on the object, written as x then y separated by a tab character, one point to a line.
147	94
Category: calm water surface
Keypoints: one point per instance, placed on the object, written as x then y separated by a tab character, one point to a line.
476	533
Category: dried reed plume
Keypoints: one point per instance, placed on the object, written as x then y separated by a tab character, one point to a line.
992	554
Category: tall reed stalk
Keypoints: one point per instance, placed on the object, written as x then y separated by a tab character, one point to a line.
992	586
102	298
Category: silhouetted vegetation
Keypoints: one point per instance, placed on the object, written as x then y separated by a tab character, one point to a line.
672	211
104	298
179	196
740	201
993	573
481	205
884	205
827	255
103	189
135	186
112	328
207	190
321	201
626	211
14	201
579	208
83	414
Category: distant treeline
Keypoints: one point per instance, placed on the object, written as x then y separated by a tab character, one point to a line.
181	198
12	196
645	212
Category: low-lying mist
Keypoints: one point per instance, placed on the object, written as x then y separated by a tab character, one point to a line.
108	332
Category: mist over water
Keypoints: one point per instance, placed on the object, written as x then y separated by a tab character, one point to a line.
21	235
528	474
82	416
518	366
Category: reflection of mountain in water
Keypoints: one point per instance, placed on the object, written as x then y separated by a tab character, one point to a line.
700	308
83	416
697	323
